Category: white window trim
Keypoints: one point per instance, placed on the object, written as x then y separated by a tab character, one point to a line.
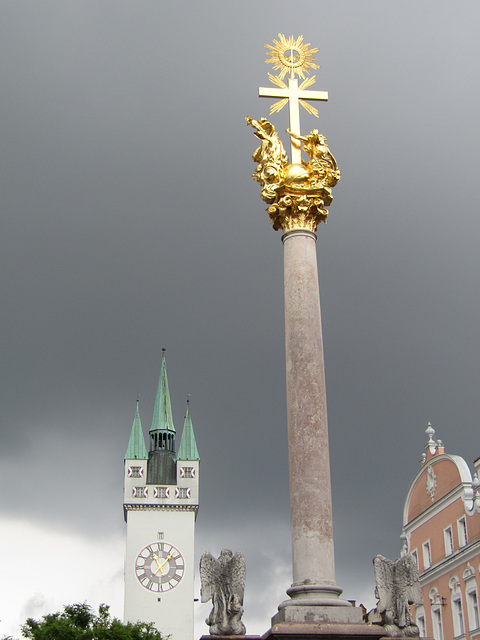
420	617
473	612
414	554
436	613
458	610
462	532
437	622
427	554
448	539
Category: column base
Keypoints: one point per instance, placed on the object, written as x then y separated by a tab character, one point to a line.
315	595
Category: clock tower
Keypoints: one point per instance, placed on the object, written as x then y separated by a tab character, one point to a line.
160	507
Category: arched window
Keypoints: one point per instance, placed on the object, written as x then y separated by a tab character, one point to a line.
471	596
420	621
457	606
436	614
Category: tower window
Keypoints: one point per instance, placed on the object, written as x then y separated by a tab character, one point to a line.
187	472
182	492
140	492
161	492
135	472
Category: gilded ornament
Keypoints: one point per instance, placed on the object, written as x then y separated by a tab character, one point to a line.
297	192
291	56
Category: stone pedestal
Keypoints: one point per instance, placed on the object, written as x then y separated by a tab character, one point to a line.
230	638
313	631
318	631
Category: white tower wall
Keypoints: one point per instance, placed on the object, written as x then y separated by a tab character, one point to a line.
159	515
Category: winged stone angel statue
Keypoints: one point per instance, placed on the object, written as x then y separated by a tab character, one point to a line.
223	581
397	587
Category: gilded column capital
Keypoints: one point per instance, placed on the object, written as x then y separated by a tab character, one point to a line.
297	194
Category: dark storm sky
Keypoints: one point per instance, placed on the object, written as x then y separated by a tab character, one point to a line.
130	223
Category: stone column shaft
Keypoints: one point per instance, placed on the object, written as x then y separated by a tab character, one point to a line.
310	488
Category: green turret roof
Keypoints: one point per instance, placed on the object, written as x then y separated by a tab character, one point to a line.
162	413
136	449
188	447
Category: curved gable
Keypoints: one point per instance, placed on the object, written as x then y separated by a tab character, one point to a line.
438	477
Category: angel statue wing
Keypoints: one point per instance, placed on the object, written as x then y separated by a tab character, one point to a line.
408	589
208	575
411	580
237	573
385	583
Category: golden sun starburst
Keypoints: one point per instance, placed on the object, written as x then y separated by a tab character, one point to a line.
291	56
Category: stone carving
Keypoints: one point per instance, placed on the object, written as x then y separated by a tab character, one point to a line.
223	581
397	586
298	194
431	483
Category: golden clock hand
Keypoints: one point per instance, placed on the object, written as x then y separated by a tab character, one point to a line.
155	557
163	564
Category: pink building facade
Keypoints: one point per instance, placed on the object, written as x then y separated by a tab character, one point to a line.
441	528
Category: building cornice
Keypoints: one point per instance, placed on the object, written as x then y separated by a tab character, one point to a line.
450	563
160	507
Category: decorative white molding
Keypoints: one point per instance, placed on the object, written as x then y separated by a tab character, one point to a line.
469	572
434	595
431	444
471	496
431	483
454	584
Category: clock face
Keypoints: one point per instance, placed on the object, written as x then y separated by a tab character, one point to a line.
159	567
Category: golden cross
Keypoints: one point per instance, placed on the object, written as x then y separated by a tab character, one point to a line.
294	95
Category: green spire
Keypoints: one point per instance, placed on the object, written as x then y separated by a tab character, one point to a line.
188	447
136	449
162	413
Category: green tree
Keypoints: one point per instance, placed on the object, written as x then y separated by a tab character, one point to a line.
78	622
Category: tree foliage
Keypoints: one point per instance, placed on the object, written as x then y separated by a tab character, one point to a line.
79	622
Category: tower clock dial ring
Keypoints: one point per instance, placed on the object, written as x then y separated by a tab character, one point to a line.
159	567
